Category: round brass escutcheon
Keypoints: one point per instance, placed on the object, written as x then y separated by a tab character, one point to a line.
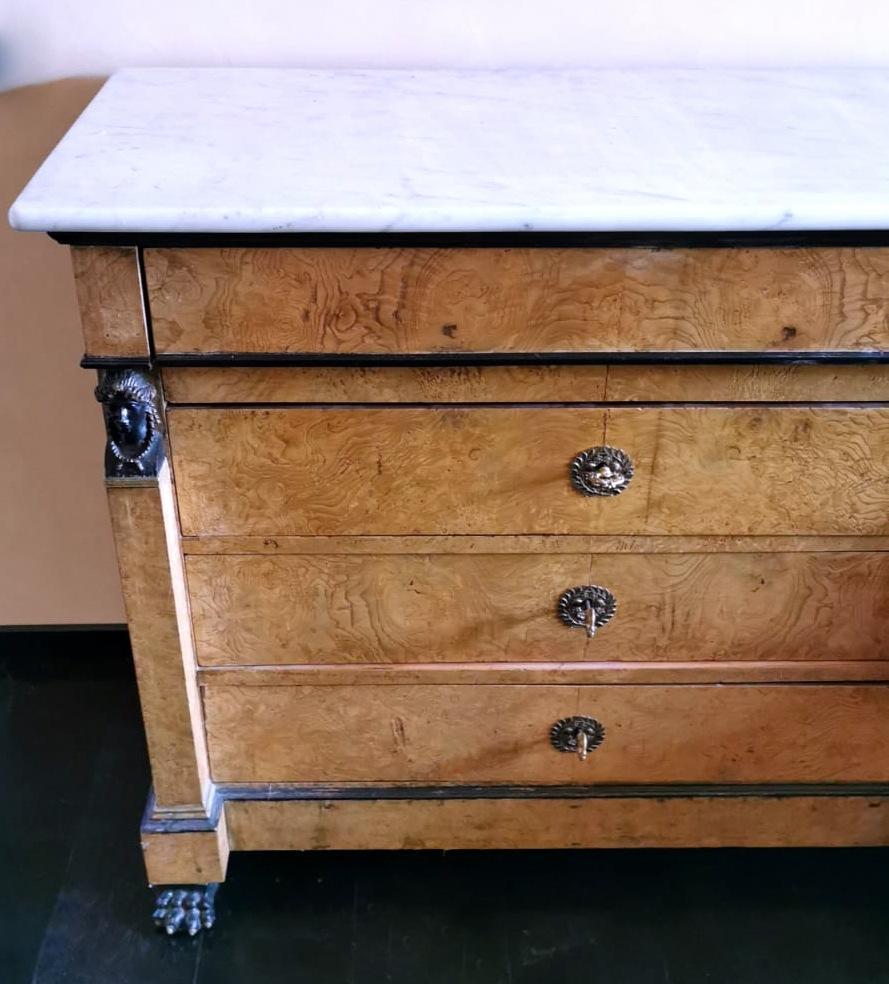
578	734
601	471
588	606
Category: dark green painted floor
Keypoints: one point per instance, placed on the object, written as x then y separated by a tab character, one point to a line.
74	907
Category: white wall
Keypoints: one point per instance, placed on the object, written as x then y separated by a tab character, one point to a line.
44	39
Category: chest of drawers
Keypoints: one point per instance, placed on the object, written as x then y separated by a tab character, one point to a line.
559	539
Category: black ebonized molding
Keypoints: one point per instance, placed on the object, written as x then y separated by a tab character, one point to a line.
500	405
308	359
289	791
114	362
184	825
658	240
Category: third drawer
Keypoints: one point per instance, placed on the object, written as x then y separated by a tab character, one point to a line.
792	733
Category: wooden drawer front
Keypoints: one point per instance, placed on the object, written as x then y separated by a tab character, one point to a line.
384	301
491	734
464	608
698	470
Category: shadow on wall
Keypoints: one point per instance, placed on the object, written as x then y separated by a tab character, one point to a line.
57	562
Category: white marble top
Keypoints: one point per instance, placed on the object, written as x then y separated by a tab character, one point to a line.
269	150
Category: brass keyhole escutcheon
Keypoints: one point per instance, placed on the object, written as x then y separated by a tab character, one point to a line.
578	734
588	607
601	470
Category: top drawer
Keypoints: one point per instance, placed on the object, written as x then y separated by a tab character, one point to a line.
365	301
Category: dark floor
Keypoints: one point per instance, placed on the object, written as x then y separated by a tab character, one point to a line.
74	907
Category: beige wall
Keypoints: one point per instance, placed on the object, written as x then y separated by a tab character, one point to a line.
57	561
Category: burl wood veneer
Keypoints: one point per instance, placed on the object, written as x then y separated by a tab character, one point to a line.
499	605
499	734
757	470
396	608
387	301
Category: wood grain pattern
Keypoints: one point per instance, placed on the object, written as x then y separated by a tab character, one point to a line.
524	299
463	608
109	294
573	674
699	470
527	384
187	858
329	609
160	638
450	825
736	383
500	734
532	544
387	384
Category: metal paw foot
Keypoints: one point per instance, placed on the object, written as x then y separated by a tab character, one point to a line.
185	910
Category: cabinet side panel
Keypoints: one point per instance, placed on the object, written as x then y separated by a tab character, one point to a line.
109	295
161	644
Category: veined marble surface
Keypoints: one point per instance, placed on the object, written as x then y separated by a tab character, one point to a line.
268	150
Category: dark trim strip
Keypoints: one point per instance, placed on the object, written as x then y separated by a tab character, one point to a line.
307	359
184	825
291	792
239	792
658	240
114	362
532	405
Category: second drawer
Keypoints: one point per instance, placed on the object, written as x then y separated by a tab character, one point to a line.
412	608
750	470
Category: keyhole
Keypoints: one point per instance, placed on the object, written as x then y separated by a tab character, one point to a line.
590	620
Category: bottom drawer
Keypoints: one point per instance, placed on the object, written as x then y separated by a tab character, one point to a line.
502	734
